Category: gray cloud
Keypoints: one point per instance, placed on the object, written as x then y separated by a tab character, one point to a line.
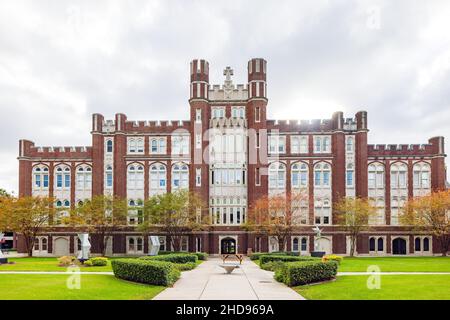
60	61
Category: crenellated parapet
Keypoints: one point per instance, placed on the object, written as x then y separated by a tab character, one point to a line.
435	146
27	149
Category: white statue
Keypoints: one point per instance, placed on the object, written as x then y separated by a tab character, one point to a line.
317	238
85	247
153	245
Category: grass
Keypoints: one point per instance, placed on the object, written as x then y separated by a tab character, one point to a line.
397	264
45	264
53	287
404	287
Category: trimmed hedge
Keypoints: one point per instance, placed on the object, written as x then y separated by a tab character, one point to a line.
305	272
146	271
186	266
174	257
257	255
284	258
99	261
200	255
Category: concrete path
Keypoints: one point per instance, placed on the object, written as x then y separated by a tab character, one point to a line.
210	282
390	273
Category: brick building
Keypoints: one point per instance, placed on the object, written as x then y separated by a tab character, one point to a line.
230	153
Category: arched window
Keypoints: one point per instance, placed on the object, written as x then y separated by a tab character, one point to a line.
295	244
350	144
154	145
180	176
131	246
380	244
376	176
322	211
372	244
59	204
426	244
140	145
158	178
421	175
109	177
135	179
277	176
322	175
62	177
44	244
66	203
304	244
417	244
299	175
109	146
162	145
40	177
399	175
84	178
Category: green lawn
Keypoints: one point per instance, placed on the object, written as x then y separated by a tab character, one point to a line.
399	264
53	287
401	287
44	264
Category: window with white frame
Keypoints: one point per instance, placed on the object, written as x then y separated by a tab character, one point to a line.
109	146
180	144
108	177
300	244
180	176
349	176
422	245
299	144
300	210
350	144
299	175
257	114
322	175
376	176
322	211
399	175
62	211
277	176
136	145
238	112
421	175
277	144
376	245
218	113
135	212
135	177
40	177
158	145
397	204
322	144
62	177
184	244
158	179
198	177
135	245
84	178
162	243
40	245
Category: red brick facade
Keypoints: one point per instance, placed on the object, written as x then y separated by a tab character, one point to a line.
339	152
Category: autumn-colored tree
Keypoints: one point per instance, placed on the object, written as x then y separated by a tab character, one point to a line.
354	215
101	215
432	213
27	216
277	215
176	214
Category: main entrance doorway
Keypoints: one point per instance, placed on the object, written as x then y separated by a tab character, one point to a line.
228	246
399	246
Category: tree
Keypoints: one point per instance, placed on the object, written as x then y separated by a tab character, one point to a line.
100	216
277	215
354	215
176	214
27	216
431	212
4	193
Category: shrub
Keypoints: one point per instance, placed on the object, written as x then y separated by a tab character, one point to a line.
272	265
174	257
146	271
269	258
201	255
257	255
88	263
301	273
186	266
99	261
66	261
332	257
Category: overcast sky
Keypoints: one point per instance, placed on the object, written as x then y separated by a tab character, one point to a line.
61	61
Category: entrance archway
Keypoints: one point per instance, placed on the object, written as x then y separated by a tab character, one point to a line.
399	246
228	246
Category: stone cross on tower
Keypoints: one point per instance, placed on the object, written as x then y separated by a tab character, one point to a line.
228	84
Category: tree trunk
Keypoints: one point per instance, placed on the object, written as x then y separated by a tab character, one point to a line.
352	246
444	242
281	243
29	244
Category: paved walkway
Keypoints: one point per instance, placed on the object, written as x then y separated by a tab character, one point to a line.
390	273
210	282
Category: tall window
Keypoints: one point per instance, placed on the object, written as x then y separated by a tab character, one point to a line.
421	174
136	145
109	146
322	211
238	112
109	177
322	175
299	175
349	176
158	145
158	179
322	144
277	176
399	175
62	177
40	177
180	145
218	112
299	144
350	144
135	178
277	144
180	176
376	176
84	178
